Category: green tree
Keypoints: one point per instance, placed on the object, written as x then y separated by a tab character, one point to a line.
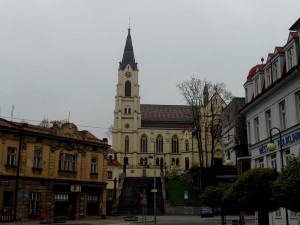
286	189
212	196
253	191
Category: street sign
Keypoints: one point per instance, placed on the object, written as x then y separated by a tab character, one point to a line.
186	194
153	190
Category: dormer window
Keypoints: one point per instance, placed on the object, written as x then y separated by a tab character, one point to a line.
256	83
275	69
290	57
269	76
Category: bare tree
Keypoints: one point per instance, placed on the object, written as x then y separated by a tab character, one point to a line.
109	132
207	101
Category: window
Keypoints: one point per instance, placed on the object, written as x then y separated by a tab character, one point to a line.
126	144
288	156
11	156
273	161
128	88
293	214
187	163
275	70
260	163
290	57
298	106
34	203
282	115
94	165
278	213
268	122
175	144
177	162
256	129
256	83
249	132
37	161
61	197
159	144
269	76
109	174
144	143
68	162
187	146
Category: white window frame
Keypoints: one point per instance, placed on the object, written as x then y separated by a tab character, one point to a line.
282	114
275	70
94	165
37	158
260	162
290	57
256	83
249	132
68	162
34	203
273	160
11	156
268	121
256	129
269	76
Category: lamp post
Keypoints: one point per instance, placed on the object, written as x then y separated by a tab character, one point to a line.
154	190
272	147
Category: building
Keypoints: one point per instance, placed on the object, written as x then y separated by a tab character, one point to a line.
272	111
141	130
235	136
50	172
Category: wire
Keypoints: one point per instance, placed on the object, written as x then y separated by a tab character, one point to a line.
39	121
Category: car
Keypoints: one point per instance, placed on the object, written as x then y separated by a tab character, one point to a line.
207	212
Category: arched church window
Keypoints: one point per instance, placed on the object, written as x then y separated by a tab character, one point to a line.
144	142
187	163
177	162
129	111
157	161
125	110
159	143
126	144
175	144
187	146
128	88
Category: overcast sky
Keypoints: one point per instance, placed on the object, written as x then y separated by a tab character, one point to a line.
61	56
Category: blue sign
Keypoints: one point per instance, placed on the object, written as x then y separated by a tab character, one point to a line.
286	140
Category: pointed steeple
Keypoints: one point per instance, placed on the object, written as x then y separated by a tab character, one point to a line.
128	55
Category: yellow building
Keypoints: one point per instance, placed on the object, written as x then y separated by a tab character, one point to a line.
51	172
142	131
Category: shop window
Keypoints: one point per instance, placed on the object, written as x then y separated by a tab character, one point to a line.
34	203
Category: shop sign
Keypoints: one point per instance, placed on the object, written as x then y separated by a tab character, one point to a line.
75	188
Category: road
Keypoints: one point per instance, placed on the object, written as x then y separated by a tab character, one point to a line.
161	220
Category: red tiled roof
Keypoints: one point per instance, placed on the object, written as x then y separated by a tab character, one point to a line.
111	151
166	116
113	162
253	70
279	49
294	33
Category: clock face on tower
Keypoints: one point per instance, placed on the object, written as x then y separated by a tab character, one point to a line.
128	74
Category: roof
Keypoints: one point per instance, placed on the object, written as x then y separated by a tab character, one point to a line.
128	55
295	25
166	116
253	71
41	129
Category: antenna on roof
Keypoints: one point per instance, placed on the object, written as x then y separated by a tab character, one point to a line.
12	112
129	25
262	60
69	117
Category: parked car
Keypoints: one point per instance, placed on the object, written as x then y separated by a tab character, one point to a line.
207	212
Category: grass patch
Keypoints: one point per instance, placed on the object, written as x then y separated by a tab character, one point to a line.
176	190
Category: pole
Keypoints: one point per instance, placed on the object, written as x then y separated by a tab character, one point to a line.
154	187
282	165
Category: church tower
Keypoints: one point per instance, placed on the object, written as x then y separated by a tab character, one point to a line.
127	113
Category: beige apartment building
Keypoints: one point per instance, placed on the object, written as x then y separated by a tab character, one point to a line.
51	172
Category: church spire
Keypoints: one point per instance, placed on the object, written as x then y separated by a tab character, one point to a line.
128	55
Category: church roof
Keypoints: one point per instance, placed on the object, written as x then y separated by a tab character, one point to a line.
128	55
166	116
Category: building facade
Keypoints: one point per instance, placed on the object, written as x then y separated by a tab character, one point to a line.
51	172
235	136
272	112
141	130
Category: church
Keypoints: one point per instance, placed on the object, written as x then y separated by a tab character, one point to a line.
149	134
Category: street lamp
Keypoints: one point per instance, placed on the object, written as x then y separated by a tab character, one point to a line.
154	190
272	147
